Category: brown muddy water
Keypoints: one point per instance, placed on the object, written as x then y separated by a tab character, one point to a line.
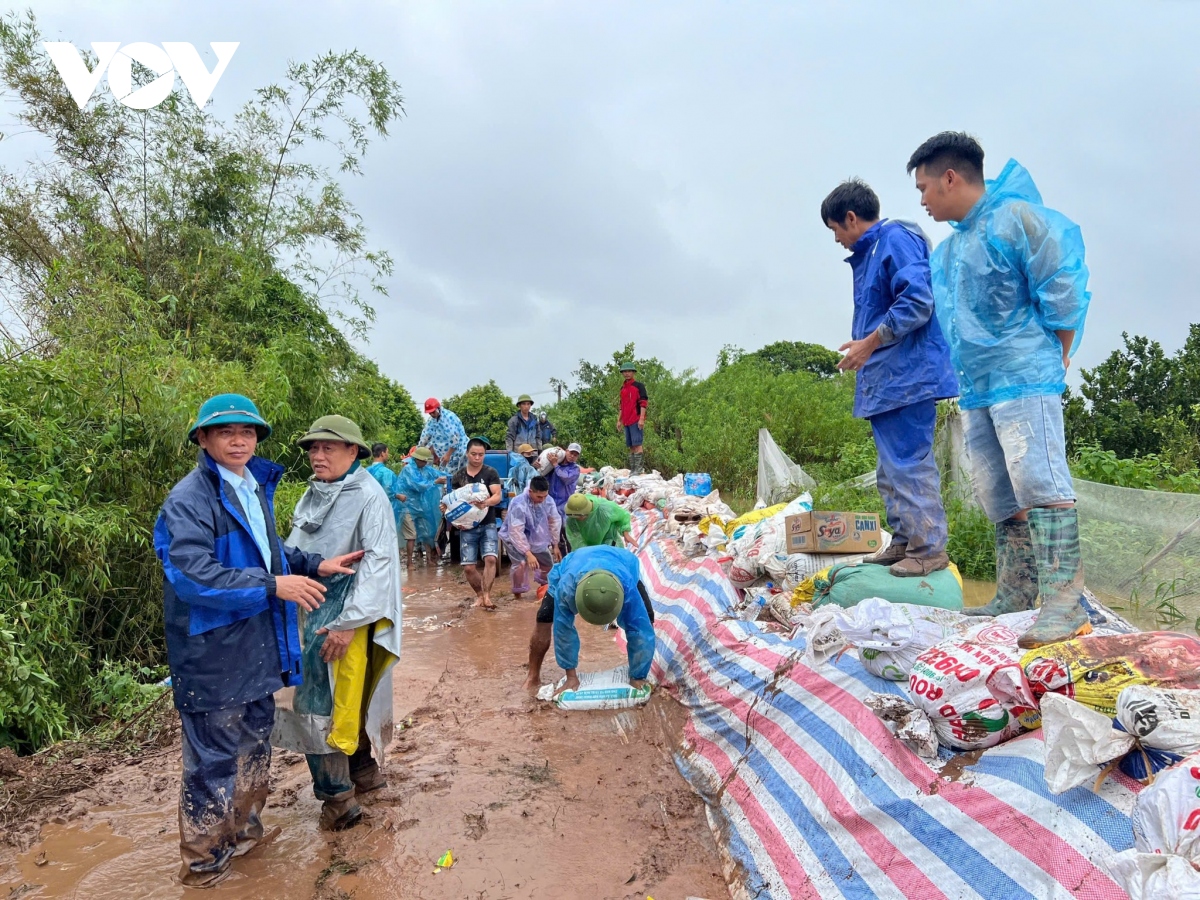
532	801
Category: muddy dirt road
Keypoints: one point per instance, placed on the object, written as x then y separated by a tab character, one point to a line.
533	802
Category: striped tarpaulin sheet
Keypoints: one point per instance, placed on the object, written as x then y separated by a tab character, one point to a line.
810	795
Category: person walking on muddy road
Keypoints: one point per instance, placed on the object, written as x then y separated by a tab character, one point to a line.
903	369
632	418
1011	290
444	435
482	539
601	585
340	718
592	521
419	487
231	590
530	533
523	427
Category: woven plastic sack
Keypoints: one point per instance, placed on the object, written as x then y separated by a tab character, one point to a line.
598	690
458	509
847	585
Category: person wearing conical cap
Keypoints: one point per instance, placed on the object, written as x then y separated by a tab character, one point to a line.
602	586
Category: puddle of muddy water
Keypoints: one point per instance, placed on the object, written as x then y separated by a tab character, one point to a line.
534	802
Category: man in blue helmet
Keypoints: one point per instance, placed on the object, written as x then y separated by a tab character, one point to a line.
230	593
601	585
1011	289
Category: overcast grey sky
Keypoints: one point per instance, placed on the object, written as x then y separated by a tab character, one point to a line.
573	176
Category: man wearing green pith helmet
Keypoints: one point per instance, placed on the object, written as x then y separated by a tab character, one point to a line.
601	585
592	521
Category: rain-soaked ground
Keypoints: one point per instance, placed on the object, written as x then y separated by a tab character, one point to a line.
533	802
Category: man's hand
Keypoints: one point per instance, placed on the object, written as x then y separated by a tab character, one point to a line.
339	565
441	480
531	559
858	352
401	498
571	685
554	552
628	536
336	643
638	683
446	456
304	592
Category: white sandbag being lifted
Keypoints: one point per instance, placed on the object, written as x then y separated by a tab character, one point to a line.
779	479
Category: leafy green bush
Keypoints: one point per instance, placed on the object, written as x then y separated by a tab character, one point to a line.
1148	473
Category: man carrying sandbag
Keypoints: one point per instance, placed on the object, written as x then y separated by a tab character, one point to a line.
592	521
481	539
1011	288
903	368
601	585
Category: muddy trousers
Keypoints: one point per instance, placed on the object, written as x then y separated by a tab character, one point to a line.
337	777
908	477
521	569
226	767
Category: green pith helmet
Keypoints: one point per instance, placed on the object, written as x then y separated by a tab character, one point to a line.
579	505
422	453
335	428
628	367
229	409
524	398
599	597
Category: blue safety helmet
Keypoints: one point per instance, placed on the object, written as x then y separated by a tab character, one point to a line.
229	409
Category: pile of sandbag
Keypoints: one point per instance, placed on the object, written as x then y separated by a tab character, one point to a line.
757	542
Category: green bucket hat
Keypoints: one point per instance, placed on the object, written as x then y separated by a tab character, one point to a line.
524	398
628	367
336	428
579	505
599	597
229	409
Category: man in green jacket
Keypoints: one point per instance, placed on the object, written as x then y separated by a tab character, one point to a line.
592	521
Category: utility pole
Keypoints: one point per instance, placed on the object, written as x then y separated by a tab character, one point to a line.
557	385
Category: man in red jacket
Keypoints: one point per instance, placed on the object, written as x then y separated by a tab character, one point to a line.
633	416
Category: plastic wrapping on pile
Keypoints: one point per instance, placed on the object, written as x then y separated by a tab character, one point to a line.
1165	859
1154	729
778	477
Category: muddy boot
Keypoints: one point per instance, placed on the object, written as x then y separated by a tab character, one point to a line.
1055	537
338	815
920	566
366	774
637	464
1016	571
892	553
632	463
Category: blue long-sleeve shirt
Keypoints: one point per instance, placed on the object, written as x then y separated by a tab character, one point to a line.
1009	277
564	578
893	295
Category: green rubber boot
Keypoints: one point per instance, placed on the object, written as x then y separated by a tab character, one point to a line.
1016	571
637	463
1055	537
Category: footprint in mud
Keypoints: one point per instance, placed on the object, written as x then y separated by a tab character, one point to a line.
476	825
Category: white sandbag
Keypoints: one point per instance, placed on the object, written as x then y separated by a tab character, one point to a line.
1166	837
458	508
890	636
549	458
598	690
909	724
975	693
1157	725
824	639
799	567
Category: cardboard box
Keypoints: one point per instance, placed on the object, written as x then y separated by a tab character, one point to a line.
832	532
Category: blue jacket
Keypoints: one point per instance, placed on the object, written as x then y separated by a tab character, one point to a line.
892	294
230	640
1010	275
633	618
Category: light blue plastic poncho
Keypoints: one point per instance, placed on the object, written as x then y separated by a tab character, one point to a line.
387	480
1010	275
423	498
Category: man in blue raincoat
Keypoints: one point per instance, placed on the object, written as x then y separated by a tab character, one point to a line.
903	368
601	585
1011	289
230	593
419	489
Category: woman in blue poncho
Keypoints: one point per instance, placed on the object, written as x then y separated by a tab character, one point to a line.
418	488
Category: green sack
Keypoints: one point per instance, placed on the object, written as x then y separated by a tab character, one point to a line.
847	584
